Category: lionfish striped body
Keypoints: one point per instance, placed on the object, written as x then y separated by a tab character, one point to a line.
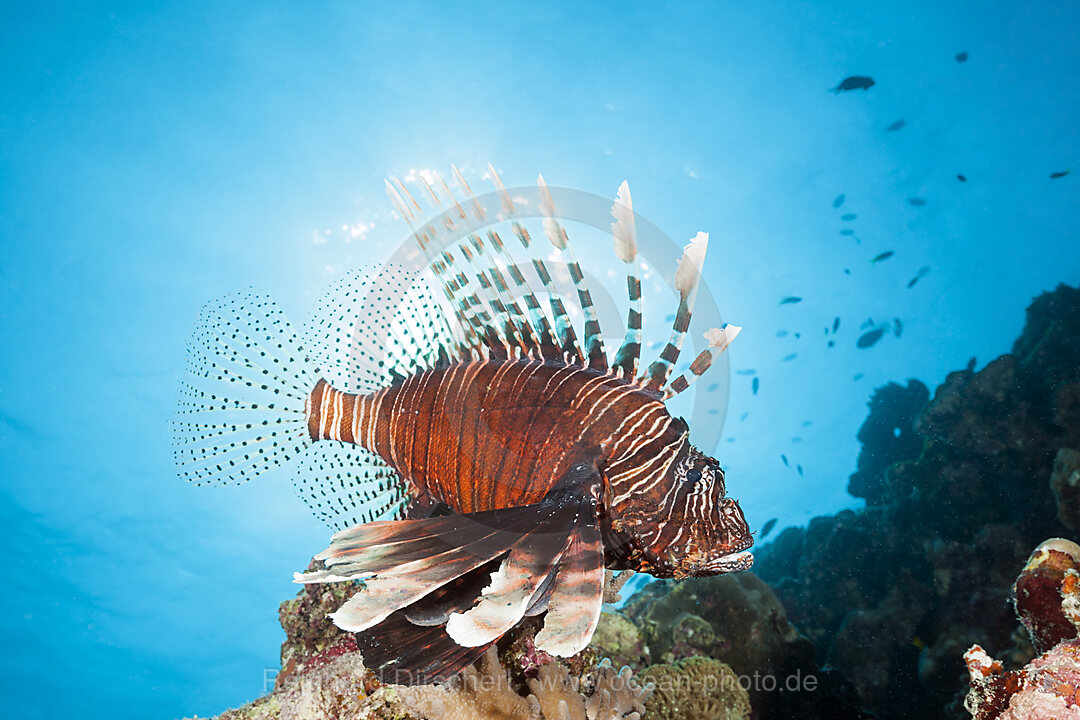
481	465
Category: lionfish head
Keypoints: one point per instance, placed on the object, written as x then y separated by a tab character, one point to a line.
684	525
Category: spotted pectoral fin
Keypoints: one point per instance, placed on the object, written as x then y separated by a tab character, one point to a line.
577	593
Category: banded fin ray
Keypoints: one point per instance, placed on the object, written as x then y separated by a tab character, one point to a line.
515	585
559	330
470	541
556	233
577	594
687	278
402	653
471	301
718	339
624	233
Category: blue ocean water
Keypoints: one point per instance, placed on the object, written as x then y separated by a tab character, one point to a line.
152	157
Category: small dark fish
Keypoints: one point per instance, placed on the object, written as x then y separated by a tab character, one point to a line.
767	528
744	416
846	271
791	356
781	333
858	376
799	469
848	217
881	257
755	385
961	178
797	336
916	201
895	126
838	201
847	232
791	300
832	343
784	458
961	56
870	338
971	365
919	276
898	327
855	82
826	329
713	387
746	371
836	324
1059	174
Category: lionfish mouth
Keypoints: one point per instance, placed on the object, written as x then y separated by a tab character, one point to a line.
732	562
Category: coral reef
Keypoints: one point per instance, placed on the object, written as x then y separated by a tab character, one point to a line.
1065	484
888	435
323	676
310	635
1047	600
892	594
697	688
486	692
737	620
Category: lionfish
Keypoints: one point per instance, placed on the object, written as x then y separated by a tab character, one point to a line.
480	464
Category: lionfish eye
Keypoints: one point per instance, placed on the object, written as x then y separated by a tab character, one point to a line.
692	476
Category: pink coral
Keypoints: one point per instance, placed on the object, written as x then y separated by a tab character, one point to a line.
1047	598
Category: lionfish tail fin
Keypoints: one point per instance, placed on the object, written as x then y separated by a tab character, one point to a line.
687	279
242	402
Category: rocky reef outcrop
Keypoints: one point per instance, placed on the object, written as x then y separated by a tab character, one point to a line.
959	487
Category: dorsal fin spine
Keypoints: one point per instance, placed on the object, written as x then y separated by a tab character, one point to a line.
719	339
687	277
594	343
